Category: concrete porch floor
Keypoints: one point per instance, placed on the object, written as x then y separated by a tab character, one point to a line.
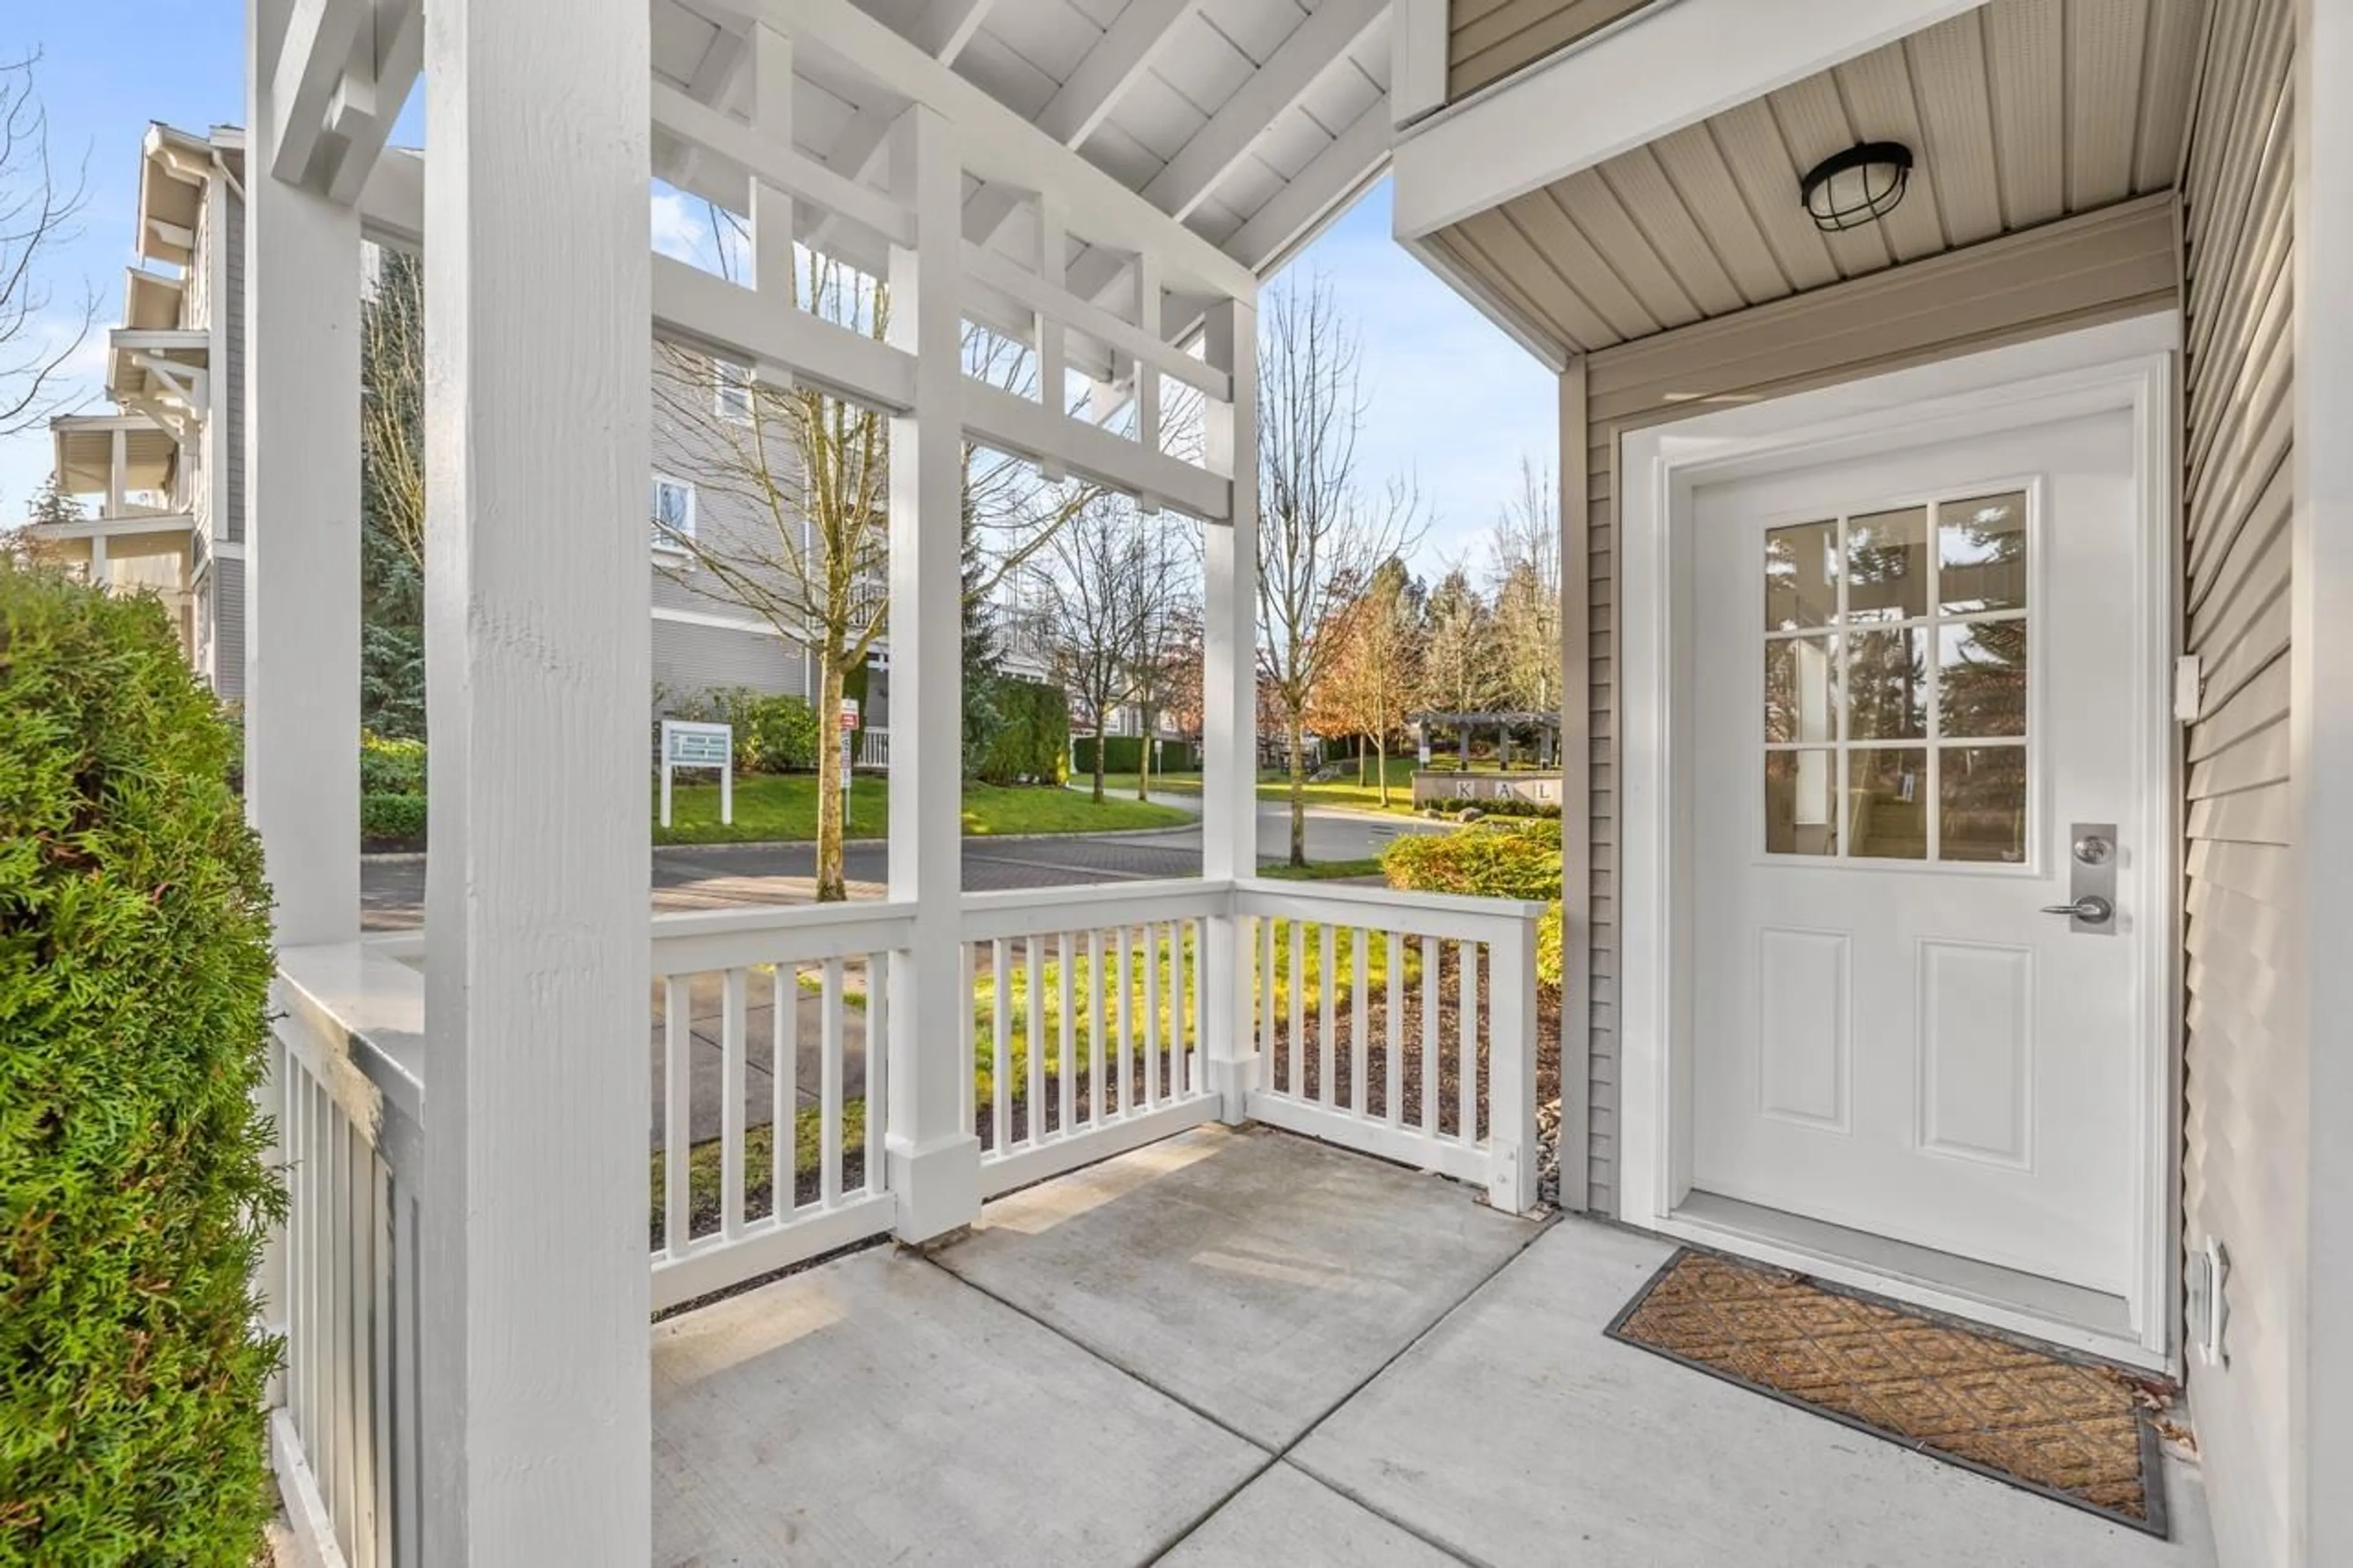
1249	1348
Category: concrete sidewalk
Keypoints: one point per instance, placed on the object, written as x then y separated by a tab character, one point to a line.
1249	1348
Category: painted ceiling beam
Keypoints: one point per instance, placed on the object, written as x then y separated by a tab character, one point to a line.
1317	45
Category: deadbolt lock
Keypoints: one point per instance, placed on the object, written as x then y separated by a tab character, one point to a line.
2091	905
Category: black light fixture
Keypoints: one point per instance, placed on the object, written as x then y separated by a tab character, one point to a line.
1854	187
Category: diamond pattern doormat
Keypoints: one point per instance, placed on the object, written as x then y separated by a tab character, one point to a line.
2073	1430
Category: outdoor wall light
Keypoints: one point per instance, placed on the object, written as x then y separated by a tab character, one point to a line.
1854	187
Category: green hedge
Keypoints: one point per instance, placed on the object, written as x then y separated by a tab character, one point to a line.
773	734
1498	861
400	817
1123	755
1032	736
134	990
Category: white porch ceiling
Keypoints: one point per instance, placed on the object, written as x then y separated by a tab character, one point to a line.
2019	112
1250	121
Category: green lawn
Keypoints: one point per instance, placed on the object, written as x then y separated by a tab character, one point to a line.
1324	870
1274	786
776	808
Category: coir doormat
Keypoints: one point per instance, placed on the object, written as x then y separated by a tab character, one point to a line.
2073	1430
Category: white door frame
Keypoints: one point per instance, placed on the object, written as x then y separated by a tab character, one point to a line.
2127	365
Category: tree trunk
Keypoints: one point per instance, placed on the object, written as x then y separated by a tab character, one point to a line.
1099	759
1298	789
1381	763
830	887
1360	761
1144	755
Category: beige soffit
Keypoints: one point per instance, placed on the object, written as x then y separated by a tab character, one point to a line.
2018	114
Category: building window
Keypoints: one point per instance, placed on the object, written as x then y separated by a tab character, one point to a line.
731	391
673	513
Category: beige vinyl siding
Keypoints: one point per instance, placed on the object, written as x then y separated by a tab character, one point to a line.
233	379
2101	266
1487	40
2243	1151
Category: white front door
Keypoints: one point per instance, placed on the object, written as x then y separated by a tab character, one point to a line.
1914	675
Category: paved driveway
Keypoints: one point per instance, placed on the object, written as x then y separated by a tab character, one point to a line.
717	876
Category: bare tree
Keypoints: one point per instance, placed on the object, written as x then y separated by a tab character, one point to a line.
808	475
1113	595
1370	685
812	472
1322	534
392	399
37	208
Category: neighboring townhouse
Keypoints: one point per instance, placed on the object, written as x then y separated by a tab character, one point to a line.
161	477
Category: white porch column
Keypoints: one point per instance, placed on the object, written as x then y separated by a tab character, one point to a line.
302	525
537	298
2320	768
933	1156
1229	701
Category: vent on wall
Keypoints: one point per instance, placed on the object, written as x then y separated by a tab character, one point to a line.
2206	1311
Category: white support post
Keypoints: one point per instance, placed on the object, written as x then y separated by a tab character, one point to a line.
2319	1372
771	209
118	471
533	1367
1229	704
1510	1070
933	1156
302	528
101	574
1148	375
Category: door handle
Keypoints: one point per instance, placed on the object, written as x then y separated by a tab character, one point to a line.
2091	909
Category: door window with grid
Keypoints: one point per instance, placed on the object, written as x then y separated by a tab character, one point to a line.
1895	689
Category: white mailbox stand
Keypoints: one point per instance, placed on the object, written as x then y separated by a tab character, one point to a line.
689	745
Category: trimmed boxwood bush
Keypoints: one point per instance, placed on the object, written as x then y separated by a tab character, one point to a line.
1121	754
392	817
134	983
1497	860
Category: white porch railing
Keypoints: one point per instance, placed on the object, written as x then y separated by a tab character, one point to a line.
1401	1025
1085	1033
718	974
341	1280
874	747
1355	1043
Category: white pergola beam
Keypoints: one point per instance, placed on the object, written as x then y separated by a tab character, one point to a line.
999	144
1315	47
313	56
941	30
302	505
534	1378
364	111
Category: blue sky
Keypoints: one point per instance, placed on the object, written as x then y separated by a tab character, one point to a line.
1451	399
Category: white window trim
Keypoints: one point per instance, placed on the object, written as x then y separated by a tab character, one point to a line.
661	540
729	382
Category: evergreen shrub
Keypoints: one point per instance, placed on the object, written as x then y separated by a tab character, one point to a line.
1500	860
134	986
1032	737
